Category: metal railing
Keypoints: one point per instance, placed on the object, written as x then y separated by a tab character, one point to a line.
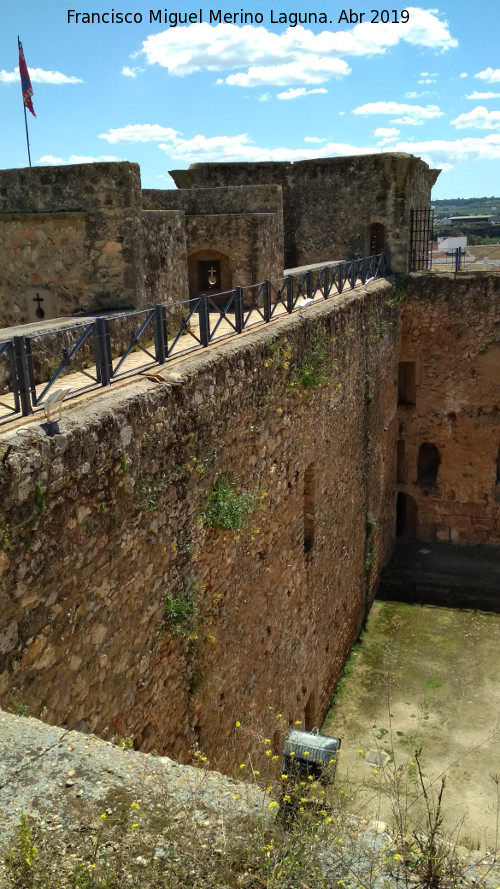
100	350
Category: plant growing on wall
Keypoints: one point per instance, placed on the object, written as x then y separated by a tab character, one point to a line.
40	499
148	490
228	508
313	370
183	608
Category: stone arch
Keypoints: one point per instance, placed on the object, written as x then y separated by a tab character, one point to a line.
428	461
406	516
204	265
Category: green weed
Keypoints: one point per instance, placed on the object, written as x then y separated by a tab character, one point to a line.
228	508
313	370
40	499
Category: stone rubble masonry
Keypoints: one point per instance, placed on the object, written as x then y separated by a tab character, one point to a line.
100	521
73	234
243	223
85	238
450	333
330	204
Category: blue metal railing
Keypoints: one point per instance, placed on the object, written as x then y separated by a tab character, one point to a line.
157	331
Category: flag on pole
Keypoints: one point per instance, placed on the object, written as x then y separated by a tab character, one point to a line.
25	80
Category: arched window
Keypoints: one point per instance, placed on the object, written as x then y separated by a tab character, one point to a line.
427	464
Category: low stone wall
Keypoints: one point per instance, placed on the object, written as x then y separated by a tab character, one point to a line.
124	612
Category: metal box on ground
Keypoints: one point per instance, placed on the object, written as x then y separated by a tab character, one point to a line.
308	754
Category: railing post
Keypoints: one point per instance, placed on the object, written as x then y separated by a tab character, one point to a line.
204	319
160	333
289	294
238	309
340	279
267	301
21	379
326	282
12	365
309	284
102	344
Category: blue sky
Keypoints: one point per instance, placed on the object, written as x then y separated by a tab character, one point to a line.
167	95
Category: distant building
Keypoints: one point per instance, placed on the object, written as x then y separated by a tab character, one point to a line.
468	220
446	245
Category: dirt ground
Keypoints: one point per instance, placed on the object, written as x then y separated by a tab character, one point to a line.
423	677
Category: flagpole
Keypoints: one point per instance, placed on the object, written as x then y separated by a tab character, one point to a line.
27	137
24	69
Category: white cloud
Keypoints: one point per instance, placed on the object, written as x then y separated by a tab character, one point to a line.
265	97
440	153
476	95
412	113
414	95
463	74
51	161
490	75
145	132
296	56
479	118
407	121
310	69
241	148
445	154
386	135
428	78
385	132
298	92
131	72
38	75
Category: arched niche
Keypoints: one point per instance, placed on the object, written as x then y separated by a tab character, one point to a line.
208	272
428	461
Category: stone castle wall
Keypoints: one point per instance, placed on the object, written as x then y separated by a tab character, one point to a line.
70	234
101	522
451	349
242	224
330	204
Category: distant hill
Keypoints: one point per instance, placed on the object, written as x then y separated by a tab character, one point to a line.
467	207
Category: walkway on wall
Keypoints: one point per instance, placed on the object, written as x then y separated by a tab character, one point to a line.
98	351
443	574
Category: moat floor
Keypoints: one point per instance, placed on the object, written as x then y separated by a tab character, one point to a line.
423	677
443	574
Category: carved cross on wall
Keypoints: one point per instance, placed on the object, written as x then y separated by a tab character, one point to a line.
39	311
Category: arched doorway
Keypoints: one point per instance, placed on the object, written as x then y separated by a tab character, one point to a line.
208	272
376	238
406	516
